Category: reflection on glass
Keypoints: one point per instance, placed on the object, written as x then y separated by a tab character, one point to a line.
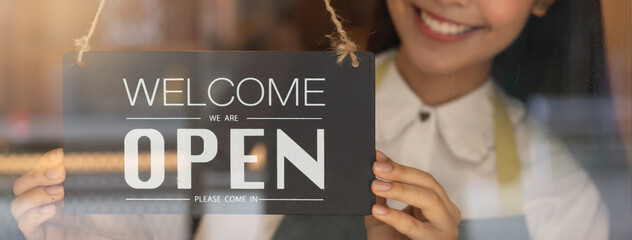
572	135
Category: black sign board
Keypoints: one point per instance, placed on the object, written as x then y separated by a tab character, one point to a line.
219	132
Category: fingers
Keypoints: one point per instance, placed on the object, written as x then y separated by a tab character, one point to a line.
48	171
433	208
30	222
34	198
34	190
385	168
402	222
52	157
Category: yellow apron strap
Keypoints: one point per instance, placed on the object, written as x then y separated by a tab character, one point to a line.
507	161
380	72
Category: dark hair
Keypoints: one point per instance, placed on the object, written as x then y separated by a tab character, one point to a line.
562	52
382	34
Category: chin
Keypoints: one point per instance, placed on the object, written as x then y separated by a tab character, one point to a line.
435	65
433	61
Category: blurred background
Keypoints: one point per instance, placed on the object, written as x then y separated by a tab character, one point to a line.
591	111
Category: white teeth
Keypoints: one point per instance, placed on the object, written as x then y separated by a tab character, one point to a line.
443	27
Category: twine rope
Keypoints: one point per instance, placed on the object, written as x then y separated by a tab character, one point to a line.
83	43
342	44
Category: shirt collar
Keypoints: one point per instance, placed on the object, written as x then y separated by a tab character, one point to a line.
396	105
465	123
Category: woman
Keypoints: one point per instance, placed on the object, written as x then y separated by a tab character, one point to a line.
447	124
441	120
439	116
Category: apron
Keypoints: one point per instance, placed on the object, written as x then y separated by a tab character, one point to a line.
512	224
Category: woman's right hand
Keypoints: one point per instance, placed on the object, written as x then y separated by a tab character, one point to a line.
430	213
38	196
39	208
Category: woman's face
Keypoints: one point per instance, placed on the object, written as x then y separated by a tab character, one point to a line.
445	36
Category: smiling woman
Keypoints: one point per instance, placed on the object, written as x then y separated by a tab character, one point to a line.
441	58
428	55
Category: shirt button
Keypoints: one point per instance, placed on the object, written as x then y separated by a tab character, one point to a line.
424	116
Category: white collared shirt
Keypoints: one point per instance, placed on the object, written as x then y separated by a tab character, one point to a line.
456	145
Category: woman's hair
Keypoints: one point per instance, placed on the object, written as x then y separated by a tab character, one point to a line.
562	52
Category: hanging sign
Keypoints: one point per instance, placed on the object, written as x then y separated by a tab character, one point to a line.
219	132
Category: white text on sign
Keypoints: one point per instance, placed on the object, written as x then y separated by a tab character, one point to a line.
313	169
249	83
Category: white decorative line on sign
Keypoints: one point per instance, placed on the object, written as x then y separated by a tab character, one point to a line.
284	118
292	199
157	199
163	118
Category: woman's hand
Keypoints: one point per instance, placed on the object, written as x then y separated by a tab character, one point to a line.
429	215
38	195
38	208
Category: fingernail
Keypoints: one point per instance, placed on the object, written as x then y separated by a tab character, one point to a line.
54	190
54	173
381	185
47	209
56	155
380	156
383	166
380	209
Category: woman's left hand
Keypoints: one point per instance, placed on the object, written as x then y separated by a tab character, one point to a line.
429	215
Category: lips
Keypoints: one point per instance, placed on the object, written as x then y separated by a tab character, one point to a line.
442	29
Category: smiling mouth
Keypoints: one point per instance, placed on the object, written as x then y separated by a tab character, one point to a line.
441	27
